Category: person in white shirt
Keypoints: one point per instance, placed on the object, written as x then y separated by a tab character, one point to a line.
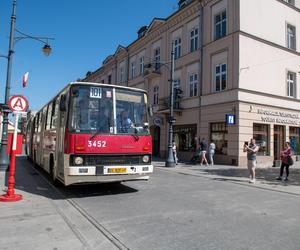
211	152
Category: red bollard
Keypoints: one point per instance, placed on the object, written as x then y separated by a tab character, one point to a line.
10	194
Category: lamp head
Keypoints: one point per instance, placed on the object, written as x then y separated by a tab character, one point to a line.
46	50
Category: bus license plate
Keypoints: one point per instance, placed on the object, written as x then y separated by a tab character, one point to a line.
116	170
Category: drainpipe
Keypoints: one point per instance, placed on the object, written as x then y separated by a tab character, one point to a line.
201	57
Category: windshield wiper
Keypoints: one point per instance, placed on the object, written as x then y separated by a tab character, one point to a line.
94	135
135	136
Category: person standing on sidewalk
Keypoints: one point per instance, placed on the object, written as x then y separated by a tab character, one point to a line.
211	152
286	161
174	150
251	150
203	146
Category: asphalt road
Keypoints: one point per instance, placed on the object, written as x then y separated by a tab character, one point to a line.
182	211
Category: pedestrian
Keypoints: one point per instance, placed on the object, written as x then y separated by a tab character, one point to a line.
251	150
203	146
211	152
174	150
286	161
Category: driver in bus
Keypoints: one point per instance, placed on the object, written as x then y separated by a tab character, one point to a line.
124	122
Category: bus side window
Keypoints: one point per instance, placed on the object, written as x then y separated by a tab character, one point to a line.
48	120
44	116
55	107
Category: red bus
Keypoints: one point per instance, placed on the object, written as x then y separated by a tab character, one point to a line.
91	132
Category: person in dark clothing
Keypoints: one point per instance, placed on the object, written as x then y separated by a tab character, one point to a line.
285	154
203	147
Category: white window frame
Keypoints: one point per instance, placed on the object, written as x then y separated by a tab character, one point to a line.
291	84
142	65
220	23
194	39
133	69
157	59
155	94
220	75
193	84
177	47
291	37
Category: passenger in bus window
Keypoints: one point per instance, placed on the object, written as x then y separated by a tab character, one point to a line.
124	122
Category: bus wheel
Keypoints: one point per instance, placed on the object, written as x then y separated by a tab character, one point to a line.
54	180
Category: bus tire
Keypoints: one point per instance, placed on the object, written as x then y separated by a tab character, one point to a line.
54	180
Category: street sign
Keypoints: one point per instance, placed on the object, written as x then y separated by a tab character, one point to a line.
230	119
18	103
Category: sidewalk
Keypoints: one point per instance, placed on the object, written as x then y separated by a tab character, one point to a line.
44	219
265	177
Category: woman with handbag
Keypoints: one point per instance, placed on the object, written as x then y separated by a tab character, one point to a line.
287	161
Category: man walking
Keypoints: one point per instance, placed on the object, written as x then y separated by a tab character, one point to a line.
251	150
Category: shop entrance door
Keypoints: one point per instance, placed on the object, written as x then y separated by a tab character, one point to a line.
278	141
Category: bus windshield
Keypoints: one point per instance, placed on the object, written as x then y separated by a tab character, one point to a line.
106	110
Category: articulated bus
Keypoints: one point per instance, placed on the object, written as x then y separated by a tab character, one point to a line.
91	133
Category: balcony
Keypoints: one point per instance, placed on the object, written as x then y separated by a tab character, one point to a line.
150	73
164	105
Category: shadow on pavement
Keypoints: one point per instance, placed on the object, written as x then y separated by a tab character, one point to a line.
265	175
37	181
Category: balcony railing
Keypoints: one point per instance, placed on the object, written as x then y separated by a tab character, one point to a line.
164	104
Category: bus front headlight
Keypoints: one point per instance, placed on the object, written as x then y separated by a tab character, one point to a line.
146	158
78	160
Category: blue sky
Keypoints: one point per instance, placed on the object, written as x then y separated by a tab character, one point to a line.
85	32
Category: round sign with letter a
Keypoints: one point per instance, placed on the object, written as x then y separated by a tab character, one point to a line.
18	103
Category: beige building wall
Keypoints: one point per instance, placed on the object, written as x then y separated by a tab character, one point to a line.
257	60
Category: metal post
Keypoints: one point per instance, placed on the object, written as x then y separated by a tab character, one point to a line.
4	161
170	161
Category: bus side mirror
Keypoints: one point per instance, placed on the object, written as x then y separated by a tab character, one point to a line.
62	104
150	111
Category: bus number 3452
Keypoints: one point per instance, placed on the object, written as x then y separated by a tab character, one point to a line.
97	144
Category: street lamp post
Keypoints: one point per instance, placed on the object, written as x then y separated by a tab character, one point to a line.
170	161
4	161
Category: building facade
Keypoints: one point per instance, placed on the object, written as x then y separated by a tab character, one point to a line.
237	68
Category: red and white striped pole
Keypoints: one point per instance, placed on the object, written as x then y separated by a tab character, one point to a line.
10	194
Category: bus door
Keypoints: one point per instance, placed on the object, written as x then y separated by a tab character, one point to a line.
61	125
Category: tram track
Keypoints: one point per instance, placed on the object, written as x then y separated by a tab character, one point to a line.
89	218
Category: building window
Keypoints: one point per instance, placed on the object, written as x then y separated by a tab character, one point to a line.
109	79
220	77
142	65
177	48
291	84
261	135
218	135
122	75
220	25
184	137
155	95
194	40
193	82
157	59
133	66
177	93
295	139
291	36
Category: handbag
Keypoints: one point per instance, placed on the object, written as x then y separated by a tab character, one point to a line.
290	160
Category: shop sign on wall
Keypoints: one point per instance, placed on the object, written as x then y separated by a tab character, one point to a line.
279	117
